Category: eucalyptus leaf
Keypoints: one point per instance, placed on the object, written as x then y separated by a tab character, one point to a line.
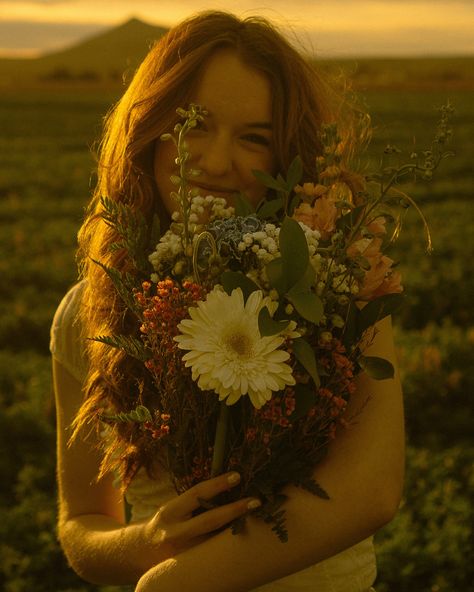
376	368
294	251
308	305
304	353
276	275
306	282
231	280
268	326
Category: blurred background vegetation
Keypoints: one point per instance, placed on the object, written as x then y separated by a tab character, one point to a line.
50	114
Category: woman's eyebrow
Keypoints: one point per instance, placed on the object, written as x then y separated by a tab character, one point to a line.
260	124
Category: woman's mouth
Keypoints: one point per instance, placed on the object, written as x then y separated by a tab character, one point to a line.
215	190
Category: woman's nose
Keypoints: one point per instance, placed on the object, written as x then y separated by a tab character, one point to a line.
215	158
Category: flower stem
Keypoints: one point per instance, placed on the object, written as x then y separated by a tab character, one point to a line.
220	440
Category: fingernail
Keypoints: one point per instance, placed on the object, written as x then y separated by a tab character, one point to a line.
233	478
254	504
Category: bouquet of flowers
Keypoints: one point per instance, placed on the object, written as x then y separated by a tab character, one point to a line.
250	321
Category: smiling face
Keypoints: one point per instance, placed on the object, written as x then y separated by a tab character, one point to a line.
234	139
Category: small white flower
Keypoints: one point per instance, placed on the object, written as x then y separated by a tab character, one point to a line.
227	354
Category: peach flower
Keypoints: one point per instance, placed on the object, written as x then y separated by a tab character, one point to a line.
311	189
377	226
380	278
322	215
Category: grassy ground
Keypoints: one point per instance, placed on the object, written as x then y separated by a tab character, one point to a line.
46	171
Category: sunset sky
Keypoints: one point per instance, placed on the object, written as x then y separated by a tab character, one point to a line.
328	27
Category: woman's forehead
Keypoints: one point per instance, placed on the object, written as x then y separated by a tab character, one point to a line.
229	85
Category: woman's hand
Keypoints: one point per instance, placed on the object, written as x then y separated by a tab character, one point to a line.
174	528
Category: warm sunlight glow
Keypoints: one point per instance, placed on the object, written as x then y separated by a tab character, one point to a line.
327	25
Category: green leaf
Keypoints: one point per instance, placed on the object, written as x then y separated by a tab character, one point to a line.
270	207
294	251
242	205
344	204
231	280
309	306
306	282
294	203
351	334
268	181
348	221
268	326
155	233
378	309
295	172
304	353
376	368
305	400
276	275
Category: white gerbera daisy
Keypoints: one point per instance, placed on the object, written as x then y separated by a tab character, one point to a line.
226	351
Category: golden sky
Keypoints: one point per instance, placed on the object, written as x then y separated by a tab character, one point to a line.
327	26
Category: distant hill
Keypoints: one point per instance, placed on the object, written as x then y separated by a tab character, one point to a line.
104	59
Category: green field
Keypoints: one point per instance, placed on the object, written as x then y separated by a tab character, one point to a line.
46	172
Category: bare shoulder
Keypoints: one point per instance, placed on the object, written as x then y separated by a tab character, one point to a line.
79	461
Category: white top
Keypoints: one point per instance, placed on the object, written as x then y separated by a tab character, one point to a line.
352	570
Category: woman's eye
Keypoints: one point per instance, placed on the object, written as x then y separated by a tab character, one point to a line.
257	139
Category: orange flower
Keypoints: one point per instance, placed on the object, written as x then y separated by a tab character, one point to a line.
321	216
380	278
311	190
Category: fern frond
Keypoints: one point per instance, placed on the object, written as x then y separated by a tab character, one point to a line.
140	414
131	345
124	283
313	487
132	229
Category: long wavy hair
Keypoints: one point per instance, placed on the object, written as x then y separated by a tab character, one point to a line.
302	102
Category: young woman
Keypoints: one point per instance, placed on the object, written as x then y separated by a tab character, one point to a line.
265	104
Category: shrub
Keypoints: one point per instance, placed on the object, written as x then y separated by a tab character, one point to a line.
436	370
429	546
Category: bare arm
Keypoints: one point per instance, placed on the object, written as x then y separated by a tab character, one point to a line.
100	547
363	474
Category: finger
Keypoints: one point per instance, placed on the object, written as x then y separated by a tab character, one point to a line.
214	519
187	502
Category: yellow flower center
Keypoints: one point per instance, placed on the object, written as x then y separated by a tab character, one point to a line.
240	343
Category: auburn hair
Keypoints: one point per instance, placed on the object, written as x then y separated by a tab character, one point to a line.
303	101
